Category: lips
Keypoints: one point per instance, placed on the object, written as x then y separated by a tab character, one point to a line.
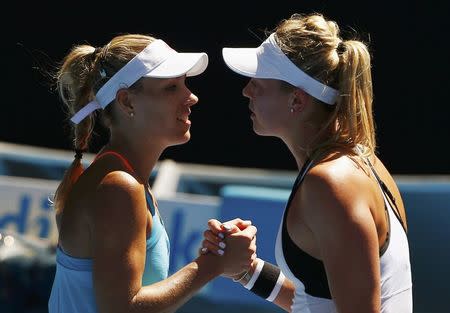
184	117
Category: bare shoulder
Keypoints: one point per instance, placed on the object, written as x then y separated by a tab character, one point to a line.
342	179
335	206
335	189
119	181
119	197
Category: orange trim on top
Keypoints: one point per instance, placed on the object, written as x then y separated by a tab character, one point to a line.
121	157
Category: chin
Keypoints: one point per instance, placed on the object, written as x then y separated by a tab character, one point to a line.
187	137
181	139
261	132
257	131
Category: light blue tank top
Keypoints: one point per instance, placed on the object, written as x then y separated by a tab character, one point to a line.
158	249
73	290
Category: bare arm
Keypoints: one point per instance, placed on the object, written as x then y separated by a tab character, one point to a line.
285	295
339	217
119	241
168	295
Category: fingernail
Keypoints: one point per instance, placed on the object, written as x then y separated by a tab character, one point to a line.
204	250
220	252
227	227
222	245
221	235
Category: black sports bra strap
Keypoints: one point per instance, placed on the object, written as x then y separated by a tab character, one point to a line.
299	179
388	195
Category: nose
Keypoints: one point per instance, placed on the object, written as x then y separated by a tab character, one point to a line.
191	100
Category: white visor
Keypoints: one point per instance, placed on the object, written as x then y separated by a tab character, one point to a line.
157	60
268	61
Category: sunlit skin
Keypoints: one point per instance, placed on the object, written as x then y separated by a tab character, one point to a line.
168	102
106	219
338	214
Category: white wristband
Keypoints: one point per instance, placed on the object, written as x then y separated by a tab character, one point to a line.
277	288
255	275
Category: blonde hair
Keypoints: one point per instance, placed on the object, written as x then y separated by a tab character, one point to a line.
82	73
315	46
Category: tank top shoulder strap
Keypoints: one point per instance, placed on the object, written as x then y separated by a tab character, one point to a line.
299	179
387	193
119	156
151	202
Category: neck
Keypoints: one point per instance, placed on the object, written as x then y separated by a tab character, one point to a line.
142	158
299	154
298	145
300	140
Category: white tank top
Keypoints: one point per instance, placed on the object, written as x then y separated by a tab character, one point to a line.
312	294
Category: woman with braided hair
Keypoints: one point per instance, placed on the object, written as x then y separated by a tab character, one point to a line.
113	249
342	244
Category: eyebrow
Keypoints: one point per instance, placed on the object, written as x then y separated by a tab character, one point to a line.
175	79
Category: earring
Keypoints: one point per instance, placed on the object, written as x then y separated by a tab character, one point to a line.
292	110
131	114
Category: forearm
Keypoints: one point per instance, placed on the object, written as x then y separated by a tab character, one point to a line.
267	281
285	296
168	295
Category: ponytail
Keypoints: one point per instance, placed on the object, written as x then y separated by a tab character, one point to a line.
75	80
313	44
82	73
354	108
70	177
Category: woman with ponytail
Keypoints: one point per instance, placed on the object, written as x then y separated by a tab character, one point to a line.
342	244
113	249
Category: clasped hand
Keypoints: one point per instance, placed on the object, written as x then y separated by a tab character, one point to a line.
234	242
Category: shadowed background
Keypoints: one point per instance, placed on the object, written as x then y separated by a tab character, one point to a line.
410	73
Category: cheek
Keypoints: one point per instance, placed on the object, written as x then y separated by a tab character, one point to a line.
257	92
271	112
149	114
267	106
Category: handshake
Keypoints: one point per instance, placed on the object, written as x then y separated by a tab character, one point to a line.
234	244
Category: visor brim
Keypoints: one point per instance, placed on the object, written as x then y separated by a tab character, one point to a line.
243	61
179	64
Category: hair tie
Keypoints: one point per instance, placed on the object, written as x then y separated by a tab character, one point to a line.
97	50
79	153
341	47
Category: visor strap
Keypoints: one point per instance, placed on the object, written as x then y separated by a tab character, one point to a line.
85	111
298	77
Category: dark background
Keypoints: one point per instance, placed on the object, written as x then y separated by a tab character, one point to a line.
410	72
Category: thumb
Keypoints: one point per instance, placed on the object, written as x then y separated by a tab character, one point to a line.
230	228
241	224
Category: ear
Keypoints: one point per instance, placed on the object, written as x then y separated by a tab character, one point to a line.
123	98
299	100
